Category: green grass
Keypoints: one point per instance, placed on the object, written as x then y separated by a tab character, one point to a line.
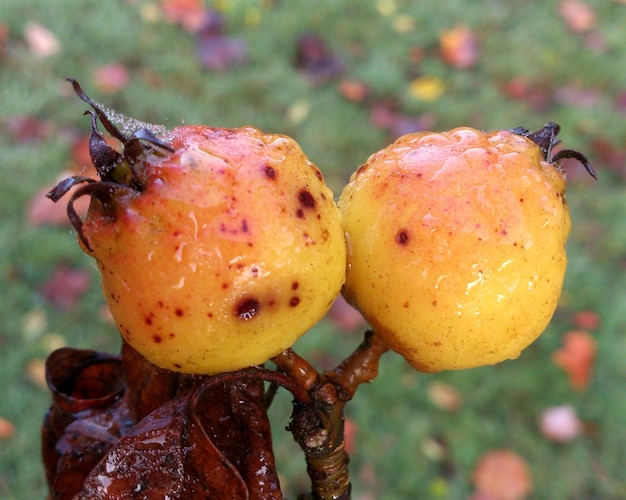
396	420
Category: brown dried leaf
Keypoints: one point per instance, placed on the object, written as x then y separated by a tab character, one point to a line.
111	78
502	475
65	287
460	47
578	16
41	41
577	358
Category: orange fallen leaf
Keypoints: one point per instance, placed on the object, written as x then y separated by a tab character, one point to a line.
36	372
577	357
7	429
190	14
346	317
578	16
459	47
502	475
353	90
350	431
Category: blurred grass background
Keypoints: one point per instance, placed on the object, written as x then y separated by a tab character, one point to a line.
533	67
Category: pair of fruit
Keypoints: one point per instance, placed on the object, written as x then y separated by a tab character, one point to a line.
219	248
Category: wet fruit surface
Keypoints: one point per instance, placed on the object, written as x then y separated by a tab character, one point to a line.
456	245
232	249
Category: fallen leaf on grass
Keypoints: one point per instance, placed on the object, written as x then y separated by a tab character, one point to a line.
502	475
459	47
7	429
560	424
25	129
42	42
353	90
111	78
578	16
577	357
190	14
65	287
385	116
214	49
444	396
427	88
316	60
537	95
586	320
36	372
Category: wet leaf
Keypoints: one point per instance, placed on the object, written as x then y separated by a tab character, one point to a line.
577	358
316	59
42	42
578	16
560	423
65	287
502	475
460	47
111	78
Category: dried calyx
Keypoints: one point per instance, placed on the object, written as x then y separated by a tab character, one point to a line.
546	138
117	170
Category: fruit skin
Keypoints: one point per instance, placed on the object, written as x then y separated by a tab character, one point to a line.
232	249
456	245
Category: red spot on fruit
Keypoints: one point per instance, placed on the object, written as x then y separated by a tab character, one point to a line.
148	320
306	199
176	365
270	172
157	339
179	312
402	237
160	304
295	285
294	301
247	308
224	286
300	213
244	225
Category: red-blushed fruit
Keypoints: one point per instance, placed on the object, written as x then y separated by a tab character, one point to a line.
217	249
457	243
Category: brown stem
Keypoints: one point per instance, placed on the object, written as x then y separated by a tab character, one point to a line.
318	426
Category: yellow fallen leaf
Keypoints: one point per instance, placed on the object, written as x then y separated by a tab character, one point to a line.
427	88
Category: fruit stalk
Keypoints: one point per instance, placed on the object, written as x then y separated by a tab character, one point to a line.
318	425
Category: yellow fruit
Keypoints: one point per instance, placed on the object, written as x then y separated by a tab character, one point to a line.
456	244
217	248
